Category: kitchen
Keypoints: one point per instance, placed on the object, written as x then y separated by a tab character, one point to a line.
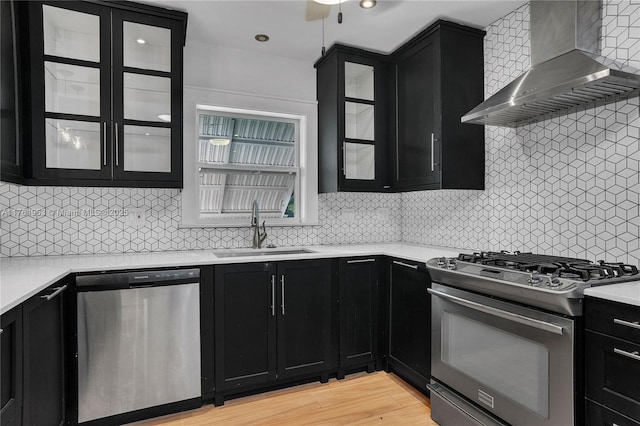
566	186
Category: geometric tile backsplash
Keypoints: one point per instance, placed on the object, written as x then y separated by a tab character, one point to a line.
70	220
566	186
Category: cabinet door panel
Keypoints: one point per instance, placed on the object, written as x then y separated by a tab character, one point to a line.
11	367
147	149
44	373
245	325
416	115
70	83
409	322
613	373
304	321
358	311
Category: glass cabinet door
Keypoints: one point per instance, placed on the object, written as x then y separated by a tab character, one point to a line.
147	114
359	159
73	130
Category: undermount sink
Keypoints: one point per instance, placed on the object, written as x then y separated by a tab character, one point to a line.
267	252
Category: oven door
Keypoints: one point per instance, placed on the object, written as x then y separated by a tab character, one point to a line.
513	361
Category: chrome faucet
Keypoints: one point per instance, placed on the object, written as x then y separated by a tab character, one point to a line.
258	237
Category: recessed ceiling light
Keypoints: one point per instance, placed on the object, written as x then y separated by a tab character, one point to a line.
262	37
367	4
141	41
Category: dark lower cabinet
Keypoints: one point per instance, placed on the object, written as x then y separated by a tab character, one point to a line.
273	321
11	367
245	325
359	313
44	361
409	352
597	415
612	372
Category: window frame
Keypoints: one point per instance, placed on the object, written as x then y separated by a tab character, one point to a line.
302	113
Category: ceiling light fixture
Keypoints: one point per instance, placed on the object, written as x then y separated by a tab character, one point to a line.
141	41
219	141
262	38
367	4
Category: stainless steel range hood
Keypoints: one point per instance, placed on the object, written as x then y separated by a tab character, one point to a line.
566	68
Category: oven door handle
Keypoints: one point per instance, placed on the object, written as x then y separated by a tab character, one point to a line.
541	325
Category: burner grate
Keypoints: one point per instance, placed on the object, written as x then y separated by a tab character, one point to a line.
564	267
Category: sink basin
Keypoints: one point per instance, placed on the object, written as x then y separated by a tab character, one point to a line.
267	252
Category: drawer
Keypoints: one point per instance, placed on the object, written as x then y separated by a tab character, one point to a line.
597	415
613	373
613	318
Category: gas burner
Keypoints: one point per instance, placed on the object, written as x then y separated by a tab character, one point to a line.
563	267
553	283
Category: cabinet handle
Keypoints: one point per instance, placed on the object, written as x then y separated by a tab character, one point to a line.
273	295
57	291
117	155
282	285
104	143
361	261
1	330
433	164
627	323
344	160
633	355
405	265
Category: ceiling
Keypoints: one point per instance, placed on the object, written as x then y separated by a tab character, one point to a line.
234	23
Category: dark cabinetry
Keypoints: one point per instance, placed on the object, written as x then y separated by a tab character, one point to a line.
352	132
44	362
612	362
438	77
408	119
11	89
33	363
273	321
105	94
11	367
359	313
409	352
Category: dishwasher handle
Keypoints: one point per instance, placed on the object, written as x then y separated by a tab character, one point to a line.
136	279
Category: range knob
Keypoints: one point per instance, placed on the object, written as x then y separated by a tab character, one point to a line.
555	282
452	264
535	279
442	262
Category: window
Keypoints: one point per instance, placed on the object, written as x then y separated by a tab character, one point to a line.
241	155
244	158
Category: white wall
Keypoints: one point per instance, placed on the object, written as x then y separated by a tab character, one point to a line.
225	68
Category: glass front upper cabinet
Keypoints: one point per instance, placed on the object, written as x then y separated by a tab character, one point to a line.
359	157
109	82
72	84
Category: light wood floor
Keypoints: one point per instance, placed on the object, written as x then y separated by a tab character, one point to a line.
358	399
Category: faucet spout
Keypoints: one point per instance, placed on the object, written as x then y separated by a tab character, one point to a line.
258	236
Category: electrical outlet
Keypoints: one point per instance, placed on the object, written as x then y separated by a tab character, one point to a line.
348	215
136	216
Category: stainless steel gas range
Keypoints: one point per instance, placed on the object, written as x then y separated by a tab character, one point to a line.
505	329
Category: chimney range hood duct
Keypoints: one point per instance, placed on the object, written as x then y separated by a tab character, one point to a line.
566	69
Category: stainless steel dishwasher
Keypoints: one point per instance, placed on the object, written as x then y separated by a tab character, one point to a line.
138	341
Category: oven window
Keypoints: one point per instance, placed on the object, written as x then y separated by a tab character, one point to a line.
516	367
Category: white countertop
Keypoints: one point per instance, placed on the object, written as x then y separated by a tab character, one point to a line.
23	277
628	293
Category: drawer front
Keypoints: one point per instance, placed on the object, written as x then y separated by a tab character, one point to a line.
613	373
597	415
616	319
